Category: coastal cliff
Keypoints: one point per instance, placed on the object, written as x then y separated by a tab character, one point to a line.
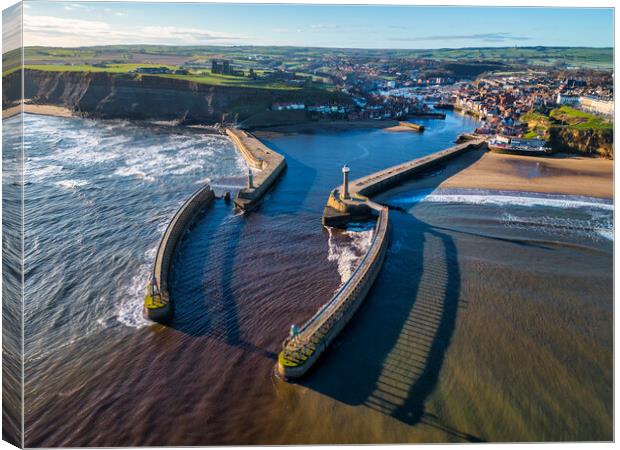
591	142
570	130
132	96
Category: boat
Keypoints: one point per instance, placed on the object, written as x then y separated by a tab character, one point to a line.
520	146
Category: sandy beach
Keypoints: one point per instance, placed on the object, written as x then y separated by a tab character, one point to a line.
44	110
406	126
559	174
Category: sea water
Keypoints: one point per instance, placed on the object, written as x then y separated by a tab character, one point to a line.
490	320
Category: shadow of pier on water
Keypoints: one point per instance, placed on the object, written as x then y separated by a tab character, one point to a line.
204	295
390	355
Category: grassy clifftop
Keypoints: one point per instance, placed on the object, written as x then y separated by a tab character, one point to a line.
198	77
580	120
570	129
586	57
132	96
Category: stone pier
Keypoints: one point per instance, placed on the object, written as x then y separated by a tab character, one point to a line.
350	202
266	166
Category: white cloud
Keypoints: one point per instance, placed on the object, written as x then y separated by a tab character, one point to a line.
324	26
74	6
60	24
191	35
64	32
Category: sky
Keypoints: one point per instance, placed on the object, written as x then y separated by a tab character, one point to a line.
73	24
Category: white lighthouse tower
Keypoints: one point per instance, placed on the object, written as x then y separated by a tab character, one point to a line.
345	182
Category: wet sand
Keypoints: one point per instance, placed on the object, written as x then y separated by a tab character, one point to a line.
405	126
559	174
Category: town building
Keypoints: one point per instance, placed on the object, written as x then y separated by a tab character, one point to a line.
597	105
564	99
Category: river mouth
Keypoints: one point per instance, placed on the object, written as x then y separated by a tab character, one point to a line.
463	337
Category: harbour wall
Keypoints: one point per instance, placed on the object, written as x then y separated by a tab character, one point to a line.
300	352
339	211
384	179
159	309
268	164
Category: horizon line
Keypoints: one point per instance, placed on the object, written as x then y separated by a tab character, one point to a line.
319	47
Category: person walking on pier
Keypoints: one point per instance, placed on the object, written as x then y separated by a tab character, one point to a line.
154	288
294	331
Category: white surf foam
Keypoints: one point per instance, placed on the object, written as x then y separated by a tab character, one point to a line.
505	199
35	173
593	226
131	171
130	310
72	184
607	234
349	253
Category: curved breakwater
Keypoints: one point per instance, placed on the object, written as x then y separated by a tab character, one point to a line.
157	301
300	352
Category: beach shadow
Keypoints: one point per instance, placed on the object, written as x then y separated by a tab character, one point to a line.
389	357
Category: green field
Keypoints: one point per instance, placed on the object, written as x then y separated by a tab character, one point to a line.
227	80
294	58
580	120
198	77
564	116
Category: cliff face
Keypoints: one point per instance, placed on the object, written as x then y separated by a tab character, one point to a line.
129	96
596	142
591	142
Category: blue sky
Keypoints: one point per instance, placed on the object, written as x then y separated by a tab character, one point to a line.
70	24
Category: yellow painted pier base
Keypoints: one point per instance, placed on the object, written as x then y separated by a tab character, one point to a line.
268	164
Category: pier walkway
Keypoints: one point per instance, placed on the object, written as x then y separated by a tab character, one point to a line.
157	302
268	164
301	351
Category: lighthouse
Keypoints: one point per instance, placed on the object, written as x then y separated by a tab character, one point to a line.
345	182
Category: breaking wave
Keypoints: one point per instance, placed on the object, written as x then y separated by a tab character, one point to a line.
505	198
128	181
561	215
347	248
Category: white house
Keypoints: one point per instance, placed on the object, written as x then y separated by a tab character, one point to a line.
564	99
597	105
